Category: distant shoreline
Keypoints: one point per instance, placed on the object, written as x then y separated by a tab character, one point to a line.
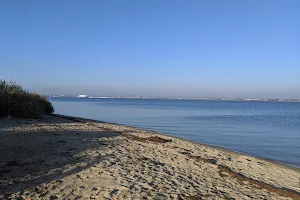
186	99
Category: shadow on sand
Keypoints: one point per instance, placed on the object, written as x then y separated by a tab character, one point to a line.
44	150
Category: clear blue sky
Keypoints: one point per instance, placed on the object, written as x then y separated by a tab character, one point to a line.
164	48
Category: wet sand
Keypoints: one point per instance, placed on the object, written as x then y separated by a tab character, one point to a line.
61	157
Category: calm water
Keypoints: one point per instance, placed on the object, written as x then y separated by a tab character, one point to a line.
265	129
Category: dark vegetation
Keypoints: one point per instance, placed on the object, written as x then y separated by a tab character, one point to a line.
15	101
155	139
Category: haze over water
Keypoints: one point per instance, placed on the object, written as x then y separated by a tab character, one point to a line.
266	129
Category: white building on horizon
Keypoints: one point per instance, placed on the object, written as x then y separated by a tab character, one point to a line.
82	96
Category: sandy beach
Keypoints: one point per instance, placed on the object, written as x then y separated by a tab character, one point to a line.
61	157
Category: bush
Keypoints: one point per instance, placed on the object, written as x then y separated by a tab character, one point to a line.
17	102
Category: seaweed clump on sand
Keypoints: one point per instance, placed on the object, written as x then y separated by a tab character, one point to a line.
155	139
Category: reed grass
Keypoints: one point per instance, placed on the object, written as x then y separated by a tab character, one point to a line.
15	101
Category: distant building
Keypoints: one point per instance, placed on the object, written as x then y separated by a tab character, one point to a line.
83	96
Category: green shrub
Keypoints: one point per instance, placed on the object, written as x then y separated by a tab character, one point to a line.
17	102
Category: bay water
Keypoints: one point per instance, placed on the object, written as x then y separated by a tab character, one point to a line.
269	130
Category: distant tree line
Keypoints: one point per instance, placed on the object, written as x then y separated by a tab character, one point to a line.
18	102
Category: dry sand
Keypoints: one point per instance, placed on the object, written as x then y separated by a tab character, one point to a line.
71	158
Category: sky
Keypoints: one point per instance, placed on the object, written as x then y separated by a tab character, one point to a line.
217	48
